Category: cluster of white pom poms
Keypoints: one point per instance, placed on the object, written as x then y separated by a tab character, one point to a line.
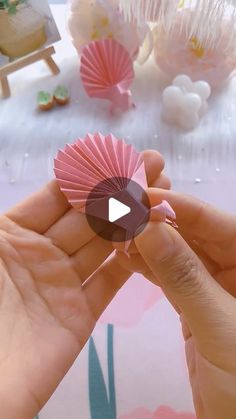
185	102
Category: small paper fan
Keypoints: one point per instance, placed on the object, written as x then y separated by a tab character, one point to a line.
107	72
93	169
80	167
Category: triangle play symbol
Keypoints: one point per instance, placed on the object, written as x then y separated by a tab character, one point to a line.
117	210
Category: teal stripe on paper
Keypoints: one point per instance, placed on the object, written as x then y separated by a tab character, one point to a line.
111	372
99	404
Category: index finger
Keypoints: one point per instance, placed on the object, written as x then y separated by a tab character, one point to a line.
198	218
46	207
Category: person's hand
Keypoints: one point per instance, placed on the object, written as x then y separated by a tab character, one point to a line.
198	274
54	286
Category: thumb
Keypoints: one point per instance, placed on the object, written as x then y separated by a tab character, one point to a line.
183	277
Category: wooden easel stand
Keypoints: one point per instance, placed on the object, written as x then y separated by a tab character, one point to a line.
45	54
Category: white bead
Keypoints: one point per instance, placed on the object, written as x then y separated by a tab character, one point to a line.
192	102
184	82
203	89
188	120
172	97
203	109
184	102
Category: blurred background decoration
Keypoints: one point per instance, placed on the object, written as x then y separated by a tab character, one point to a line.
101	19
196	38
22	29
11	5
204	22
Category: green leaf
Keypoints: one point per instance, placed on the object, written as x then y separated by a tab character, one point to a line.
12	9
99	403
4	4
111	370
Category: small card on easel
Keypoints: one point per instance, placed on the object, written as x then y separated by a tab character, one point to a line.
27	28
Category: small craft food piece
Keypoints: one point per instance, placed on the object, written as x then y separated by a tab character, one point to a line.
61	95
45	101
185	102
107	73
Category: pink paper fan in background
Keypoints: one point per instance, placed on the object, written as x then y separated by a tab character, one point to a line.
111	167
107	72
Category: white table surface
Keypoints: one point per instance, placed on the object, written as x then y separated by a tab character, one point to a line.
28	142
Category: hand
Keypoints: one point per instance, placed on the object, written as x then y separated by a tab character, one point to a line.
198	274
54	286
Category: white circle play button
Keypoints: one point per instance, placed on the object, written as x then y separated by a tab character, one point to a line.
117	207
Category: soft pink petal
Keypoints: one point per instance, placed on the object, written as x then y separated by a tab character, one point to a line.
137	296
140	413
165	412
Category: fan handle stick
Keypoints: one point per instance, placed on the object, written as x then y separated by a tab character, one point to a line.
120	98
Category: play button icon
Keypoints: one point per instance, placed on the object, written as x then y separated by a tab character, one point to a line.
117	207
117	210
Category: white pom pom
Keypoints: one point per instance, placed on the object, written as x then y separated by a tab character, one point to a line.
192	102
188	120
172	97
185	102
203	89
184	82
204	108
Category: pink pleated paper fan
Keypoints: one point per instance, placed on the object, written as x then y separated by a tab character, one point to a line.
97	168
107	72
88	162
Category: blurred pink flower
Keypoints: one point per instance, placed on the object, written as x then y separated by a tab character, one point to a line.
175	54
137	296
163	412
